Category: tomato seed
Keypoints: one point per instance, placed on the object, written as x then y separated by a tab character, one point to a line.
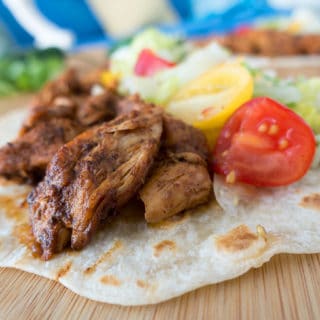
283	143
263	128
274	129
231	177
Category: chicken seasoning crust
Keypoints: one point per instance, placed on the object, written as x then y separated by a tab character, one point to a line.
180	179
91	165
62	110
92	176
120	200
271	43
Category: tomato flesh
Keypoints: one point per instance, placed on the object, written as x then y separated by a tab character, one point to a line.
149	63
264	144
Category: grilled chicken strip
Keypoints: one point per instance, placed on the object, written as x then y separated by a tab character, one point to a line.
271	43
61	111
179	137
131	103
176	184
91	177
68	83
180	179
26	158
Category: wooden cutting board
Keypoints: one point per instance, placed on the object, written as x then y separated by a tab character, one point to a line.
287	287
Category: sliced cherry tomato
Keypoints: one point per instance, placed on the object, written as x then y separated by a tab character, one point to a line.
149	63
264	144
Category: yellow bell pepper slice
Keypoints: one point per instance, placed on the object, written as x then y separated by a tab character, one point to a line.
208	101
109	79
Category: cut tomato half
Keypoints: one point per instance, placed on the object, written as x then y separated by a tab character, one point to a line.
265	144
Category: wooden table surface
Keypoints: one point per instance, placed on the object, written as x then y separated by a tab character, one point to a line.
287	287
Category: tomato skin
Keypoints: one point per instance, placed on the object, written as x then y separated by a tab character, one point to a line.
148	63
264	144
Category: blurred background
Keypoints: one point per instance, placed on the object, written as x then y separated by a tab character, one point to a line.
36	34
73	24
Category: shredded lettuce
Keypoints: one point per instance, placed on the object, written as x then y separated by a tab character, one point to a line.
301	95
168	47
159	88
163	85
309	105
281	90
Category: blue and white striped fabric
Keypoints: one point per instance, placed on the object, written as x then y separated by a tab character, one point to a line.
73	23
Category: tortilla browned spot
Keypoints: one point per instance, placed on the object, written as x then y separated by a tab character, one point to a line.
107	255
237	239
110	280
311	201
14	207
165	244
7	183
142	284
23	232
64	270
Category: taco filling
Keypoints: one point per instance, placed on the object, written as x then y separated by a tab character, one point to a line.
172	158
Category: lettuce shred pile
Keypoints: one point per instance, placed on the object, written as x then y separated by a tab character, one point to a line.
190	63
168	47
302	95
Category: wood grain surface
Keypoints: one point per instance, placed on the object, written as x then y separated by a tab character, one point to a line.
287	287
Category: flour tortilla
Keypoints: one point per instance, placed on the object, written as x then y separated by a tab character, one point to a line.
288	66
132	263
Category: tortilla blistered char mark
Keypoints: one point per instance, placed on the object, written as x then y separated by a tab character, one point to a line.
63	270
108	255
142	284
91	177
163	245
110	280
311	201
239	238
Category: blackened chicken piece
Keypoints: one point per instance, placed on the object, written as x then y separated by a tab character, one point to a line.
26	158
180	179
131	103
271	43
68	83
308	44
61	107
179	137
177	183
98	108
68	97
49	126
92	176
